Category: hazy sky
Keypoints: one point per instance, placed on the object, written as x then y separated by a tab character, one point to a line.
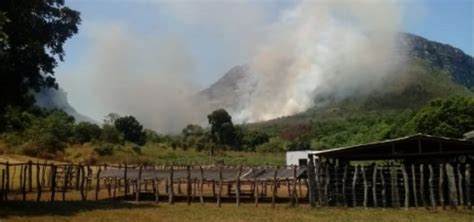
207	39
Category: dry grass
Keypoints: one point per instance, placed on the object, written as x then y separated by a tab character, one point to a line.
125	211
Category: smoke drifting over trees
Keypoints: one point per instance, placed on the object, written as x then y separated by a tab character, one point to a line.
309	48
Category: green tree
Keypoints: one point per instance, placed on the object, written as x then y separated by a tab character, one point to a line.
36	32
85	132
110	134
222	128
131	129
152	137
451	117
250	139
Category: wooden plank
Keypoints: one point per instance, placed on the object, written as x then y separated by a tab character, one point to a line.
318	180
354	181
406	187
366	186
440	186
65	181
83	181
294	195
413	178
374	185
430	181
467	178
453	193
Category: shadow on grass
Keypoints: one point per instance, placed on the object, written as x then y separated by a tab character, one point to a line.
62	208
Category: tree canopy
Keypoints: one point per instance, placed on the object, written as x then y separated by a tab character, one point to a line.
131	129
222	128
33	33
451	117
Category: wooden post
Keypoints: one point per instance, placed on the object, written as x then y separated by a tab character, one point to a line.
394	185
453	193
65	181
406	186
344	177
440	186
188	185
157	190
30	176
274	191
38	183
2	198
461	193
139	184
201	198
255	186
23	186
78	175
294	195
311	182
430	181
384	189
354	181
53	181
366	186
318	180
467	177
237	187
83	181
97	185
326	184
7	180
21	181
422	186
374	185
170	187
220	187
413	178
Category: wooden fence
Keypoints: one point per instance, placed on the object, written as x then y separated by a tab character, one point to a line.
319	184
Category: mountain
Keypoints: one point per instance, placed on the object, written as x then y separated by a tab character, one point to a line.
51	98
431	70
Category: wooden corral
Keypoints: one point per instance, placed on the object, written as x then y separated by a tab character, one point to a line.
406	172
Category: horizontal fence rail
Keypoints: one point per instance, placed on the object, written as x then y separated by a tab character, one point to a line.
318	184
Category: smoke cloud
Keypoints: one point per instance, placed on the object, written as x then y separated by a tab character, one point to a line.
312	47
330	47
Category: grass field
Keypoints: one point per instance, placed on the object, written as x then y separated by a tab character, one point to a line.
126	211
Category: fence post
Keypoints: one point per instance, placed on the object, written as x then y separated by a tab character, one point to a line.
311	182
220	187
406	186
53	181
384	189
170	187
30	176
467	174
201	198
452	190
237	189
97	185
38	183
374	184
440	186
354	181
344	178
413	177
188	185
430	181
461	193
422	186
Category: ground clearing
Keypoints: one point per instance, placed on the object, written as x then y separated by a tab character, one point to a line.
126	211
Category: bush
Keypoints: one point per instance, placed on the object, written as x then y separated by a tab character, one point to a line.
105	149
275	145
110	134
85	132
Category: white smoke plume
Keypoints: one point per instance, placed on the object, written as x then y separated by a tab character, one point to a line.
334	47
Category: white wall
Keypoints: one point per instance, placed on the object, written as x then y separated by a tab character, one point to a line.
292	157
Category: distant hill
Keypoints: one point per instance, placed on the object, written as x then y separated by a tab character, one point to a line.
432	70
57	99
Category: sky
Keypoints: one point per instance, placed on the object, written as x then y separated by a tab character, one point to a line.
212	39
